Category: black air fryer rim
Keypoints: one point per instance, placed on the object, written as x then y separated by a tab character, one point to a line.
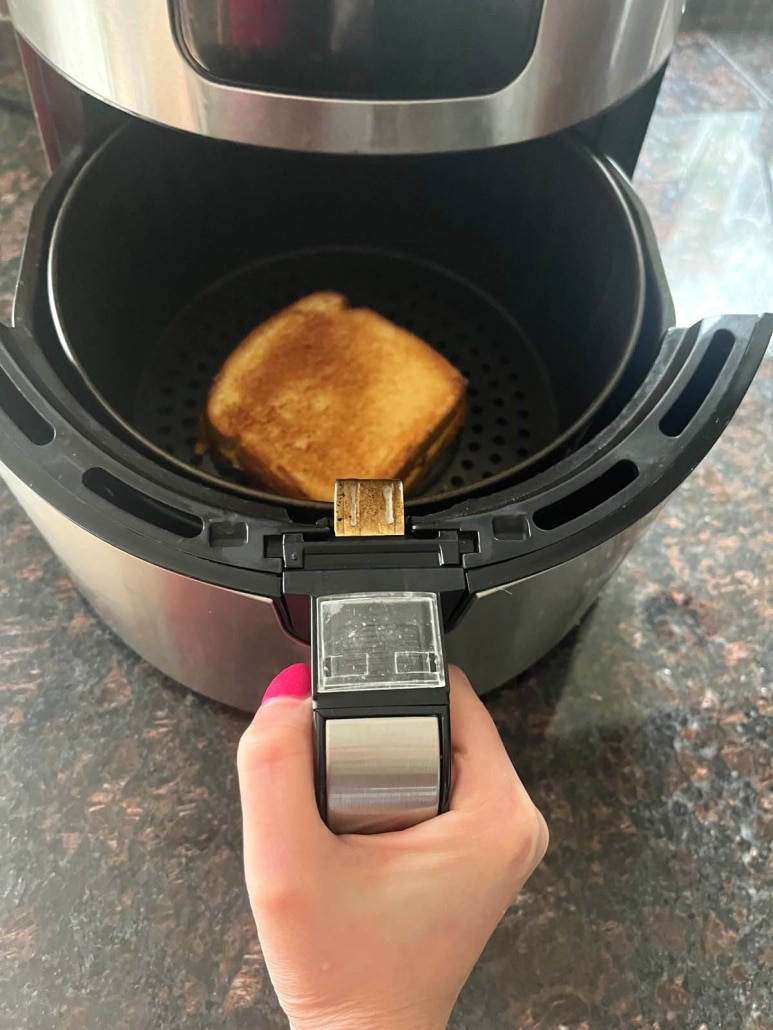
58	465
620	189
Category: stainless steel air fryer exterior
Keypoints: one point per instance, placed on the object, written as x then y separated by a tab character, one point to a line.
589	54
228	645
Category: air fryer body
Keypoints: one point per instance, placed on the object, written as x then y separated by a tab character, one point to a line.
405	162
227	644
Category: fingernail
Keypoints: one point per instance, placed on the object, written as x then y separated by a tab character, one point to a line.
292	682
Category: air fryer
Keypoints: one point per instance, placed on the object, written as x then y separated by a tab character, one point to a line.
531	265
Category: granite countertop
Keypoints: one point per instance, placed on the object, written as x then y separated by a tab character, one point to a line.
645	738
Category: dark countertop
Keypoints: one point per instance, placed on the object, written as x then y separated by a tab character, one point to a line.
645	738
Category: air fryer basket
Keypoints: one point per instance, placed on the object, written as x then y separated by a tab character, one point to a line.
512	412
523	266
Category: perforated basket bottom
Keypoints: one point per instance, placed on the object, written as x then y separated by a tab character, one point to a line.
512	415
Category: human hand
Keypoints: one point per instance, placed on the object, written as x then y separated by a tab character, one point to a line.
378	932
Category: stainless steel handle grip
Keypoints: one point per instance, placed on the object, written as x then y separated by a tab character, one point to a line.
382	773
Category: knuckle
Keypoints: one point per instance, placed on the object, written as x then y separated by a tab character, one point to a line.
262	747
543	839
521	837
277	898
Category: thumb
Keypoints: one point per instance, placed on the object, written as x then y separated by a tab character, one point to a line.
282	826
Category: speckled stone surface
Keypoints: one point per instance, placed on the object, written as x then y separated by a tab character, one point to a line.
646	738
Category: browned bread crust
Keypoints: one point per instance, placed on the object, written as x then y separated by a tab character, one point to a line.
323	391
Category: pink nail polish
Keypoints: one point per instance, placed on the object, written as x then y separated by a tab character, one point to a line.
292	682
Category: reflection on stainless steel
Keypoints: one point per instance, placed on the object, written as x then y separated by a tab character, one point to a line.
382	774
506	630
351	22
588	55
222	643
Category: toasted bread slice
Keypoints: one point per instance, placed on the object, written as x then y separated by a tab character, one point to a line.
323	391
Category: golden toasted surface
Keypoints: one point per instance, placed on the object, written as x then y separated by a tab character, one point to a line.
323	391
